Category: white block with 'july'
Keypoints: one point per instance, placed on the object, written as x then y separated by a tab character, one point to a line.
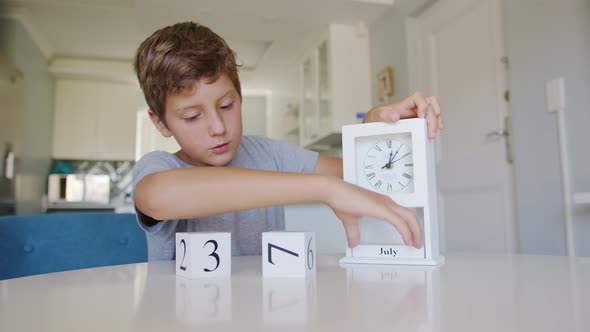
288	254
200	255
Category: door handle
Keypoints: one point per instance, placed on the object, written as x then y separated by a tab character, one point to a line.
497	133
503	133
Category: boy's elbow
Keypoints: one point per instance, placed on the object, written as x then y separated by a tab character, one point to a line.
147	200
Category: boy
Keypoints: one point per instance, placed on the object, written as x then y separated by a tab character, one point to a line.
189	78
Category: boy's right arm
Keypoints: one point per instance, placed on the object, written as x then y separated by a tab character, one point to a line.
203	191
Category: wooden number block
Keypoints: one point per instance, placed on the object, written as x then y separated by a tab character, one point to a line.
288	254
205	254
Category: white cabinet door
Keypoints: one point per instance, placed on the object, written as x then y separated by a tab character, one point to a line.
335	83
74	134
94	120
116	123
309	100
349	75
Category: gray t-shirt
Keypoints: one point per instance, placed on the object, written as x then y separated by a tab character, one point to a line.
247	226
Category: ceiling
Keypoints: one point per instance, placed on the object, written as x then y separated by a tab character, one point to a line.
267	35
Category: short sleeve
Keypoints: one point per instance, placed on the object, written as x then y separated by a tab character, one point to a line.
153	162
290	157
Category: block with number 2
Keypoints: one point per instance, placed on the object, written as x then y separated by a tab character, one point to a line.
200	255
288	254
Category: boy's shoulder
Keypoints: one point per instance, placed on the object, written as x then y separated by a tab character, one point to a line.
161	157
264	142
156	161
255	139
267	153
260	146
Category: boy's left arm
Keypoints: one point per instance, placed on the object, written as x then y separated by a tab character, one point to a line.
330	166
412	106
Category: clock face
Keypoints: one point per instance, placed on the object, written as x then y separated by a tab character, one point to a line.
387	165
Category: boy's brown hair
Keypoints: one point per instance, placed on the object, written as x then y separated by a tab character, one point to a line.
173	58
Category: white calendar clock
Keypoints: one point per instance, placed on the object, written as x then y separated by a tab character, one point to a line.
397	160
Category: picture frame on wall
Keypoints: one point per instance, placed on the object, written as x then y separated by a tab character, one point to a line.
385	83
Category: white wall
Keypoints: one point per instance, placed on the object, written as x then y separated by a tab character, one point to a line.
548	39
283	95
11	109
11	95
388	48
254	114
37	112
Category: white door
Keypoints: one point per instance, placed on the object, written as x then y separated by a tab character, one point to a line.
459	53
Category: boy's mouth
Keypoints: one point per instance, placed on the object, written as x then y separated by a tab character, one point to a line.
220	148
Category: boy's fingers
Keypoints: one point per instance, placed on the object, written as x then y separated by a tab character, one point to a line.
420	103
411	219
432	123
352	233
402	227
388	115
433	101
435	105
351	227
416	230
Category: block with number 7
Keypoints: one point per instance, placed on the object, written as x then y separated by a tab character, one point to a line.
206	254
288	254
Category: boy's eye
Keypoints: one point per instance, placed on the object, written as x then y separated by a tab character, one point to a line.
226	107
191	118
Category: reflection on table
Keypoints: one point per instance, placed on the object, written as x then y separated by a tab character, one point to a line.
467	293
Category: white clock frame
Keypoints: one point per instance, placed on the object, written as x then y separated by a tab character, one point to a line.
423	197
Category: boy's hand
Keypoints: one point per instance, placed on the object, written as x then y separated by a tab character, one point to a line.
413	106
350	203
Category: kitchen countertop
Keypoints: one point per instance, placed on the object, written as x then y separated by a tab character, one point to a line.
117	207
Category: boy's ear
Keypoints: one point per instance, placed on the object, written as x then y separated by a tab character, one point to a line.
159	124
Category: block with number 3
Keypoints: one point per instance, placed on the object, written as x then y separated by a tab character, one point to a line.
288	254
200	255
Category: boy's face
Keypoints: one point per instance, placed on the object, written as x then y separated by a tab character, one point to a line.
205	120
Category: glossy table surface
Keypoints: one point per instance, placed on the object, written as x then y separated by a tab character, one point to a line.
468	293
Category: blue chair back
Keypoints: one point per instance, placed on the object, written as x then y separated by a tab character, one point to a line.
44	243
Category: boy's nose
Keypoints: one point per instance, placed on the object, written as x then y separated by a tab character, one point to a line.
216	125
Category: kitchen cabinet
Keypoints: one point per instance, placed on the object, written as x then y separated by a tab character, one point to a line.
335	85
94	120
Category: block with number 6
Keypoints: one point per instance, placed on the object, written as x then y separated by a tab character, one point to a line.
288	254
206	254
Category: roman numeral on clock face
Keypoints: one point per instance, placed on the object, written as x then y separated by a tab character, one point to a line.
388	166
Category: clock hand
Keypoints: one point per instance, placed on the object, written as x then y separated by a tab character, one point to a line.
391	160
388	164
402	157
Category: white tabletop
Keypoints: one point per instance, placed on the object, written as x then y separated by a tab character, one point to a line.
467	293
